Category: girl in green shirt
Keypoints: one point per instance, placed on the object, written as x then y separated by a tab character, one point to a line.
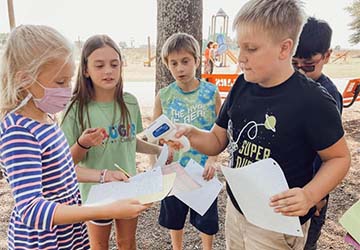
101	125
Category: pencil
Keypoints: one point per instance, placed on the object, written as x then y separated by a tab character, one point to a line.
122	170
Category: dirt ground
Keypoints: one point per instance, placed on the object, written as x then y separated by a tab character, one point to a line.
150	236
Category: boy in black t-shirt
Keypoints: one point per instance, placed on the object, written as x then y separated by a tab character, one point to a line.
274	111
312	53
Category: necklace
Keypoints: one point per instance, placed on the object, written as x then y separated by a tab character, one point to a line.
105	114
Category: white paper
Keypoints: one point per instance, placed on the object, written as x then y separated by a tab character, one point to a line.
183	182
139	185
200	199
168	182
252	186
161	161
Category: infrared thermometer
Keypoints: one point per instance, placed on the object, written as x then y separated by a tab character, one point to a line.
163	128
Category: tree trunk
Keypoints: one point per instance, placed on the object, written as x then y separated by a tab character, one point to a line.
176	16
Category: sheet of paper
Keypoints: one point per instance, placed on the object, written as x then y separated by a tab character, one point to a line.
183	181
351	221
146	183
168	182
352	241
161	161
200	199
252	186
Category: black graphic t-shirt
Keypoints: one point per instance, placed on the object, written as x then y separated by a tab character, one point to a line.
288	122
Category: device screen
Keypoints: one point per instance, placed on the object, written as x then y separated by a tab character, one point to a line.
160	130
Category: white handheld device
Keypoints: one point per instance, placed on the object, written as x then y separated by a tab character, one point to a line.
163	128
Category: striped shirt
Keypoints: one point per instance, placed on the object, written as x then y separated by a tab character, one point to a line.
40	171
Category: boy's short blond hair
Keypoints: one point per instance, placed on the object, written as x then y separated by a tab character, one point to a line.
177	42
281	19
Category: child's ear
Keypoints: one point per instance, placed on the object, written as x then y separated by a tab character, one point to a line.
85	73
327	56
24	79
286	47
197	62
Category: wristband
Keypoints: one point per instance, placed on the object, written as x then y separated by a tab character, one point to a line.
102	176
82	146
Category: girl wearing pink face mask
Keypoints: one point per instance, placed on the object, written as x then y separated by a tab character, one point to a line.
36	70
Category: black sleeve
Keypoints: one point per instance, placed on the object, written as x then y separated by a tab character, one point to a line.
323	126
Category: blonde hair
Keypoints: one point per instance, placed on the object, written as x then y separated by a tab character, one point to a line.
177	42
281	19
28	49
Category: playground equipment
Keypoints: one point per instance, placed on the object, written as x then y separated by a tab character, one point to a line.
341	55
351	92
220	37
224	82
224	50
147	63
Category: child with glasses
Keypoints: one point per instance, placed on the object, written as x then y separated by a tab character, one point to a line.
312	53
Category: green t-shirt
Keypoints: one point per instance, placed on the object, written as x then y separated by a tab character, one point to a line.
196	107
119	147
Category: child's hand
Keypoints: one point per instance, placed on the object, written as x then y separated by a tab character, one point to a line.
92	137
183	129
320	206
115	175
172	145
126	209
209	171
293	202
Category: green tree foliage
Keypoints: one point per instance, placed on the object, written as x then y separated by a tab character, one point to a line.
354	11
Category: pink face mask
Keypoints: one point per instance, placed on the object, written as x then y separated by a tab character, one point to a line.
54	99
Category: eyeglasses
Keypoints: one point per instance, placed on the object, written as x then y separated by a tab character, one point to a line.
306	67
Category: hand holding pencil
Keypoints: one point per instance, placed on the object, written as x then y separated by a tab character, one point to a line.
122	170
114	175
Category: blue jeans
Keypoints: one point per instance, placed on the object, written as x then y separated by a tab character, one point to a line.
315	228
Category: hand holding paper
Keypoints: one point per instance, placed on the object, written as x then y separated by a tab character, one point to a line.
125	209
253	186
293	202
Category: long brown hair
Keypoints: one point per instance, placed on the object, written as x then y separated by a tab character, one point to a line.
84	90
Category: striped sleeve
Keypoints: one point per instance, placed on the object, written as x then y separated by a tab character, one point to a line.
21	158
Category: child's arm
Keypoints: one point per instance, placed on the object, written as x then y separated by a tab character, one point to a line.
297	201
210	166
157	111
146	147
84	174
210	142
123	209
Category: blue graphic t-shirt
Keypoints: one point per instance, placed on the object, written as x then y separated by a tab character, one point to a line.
196	107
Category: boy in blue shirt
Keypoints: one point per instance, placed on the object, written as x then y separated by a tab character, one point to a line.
312	53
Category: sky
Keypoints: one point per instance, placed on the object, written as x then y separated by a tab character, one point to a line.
133	21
